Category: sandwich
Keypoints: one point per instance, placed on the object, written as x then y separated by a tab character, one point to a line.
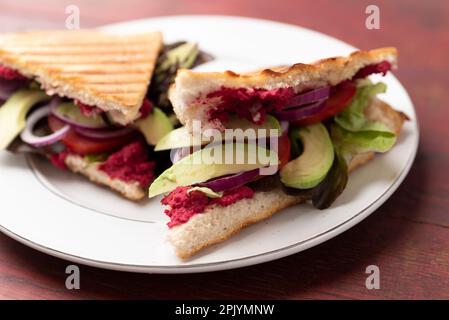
311	125
82	99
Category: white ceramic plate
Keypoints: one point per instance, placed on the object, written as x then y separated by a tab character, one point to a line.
64	215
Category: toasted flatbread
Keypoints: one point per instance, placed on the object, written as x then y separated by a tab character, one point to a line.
130	190
108	71
188	93
217	223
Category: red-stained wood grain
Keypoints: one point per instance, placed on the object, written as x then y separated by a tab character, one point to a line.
408	237
412	258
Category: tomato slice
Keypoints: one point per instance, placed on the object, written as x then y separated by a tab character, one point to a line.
336	103
284	148
81	145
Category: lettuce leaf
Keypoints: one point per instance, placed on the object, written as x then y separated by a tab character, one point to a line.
99	157
172	57
350	143
353	133
207	191
353	117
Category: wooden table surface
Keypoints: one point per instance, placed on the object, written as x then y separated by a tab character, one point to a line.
408	237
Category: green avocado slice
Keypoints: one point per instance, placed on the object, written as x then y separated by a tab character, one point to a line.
73	112
312	166
180	137
212	162
13	113
154	126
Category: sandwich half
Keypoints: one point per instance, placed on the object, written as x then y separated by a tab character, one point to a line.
211	97
97	69
324	120
79	98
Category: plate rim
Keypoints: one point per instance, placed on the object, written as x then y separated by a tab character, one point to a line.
248	260
229	264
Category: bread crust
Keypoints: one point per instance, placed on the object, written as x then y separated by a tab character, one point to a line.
188	93
130	190
108	71
217	224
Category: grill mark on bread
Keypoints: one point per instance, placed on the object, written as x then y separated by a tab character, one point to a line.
81	65
76	52
101	72
51	60
23	44
105	67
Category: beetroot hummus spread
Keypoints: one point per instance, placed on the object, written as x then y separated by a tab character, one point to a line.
146	108
252	104
10	74
184	205
130	164
86	109
58	159
381	67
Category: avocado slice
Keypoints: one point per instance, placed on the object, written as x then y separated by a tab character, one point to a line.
73	112
312	166
209	163
155	126
14	111
180	137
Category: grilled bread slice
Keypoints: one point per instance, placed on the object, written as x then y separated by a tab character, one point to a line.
217	223
130	190
108	71
189	92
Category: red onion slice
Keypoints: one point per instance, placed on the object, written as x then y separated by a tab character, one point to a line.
308	97
179	153
28	136
104	134
301	112
233	181
285	125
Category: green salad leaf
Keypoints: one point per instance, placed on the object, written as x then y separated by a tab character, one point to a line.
353	117
207	191
324	194
173	57
351	143
354	133
99	157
